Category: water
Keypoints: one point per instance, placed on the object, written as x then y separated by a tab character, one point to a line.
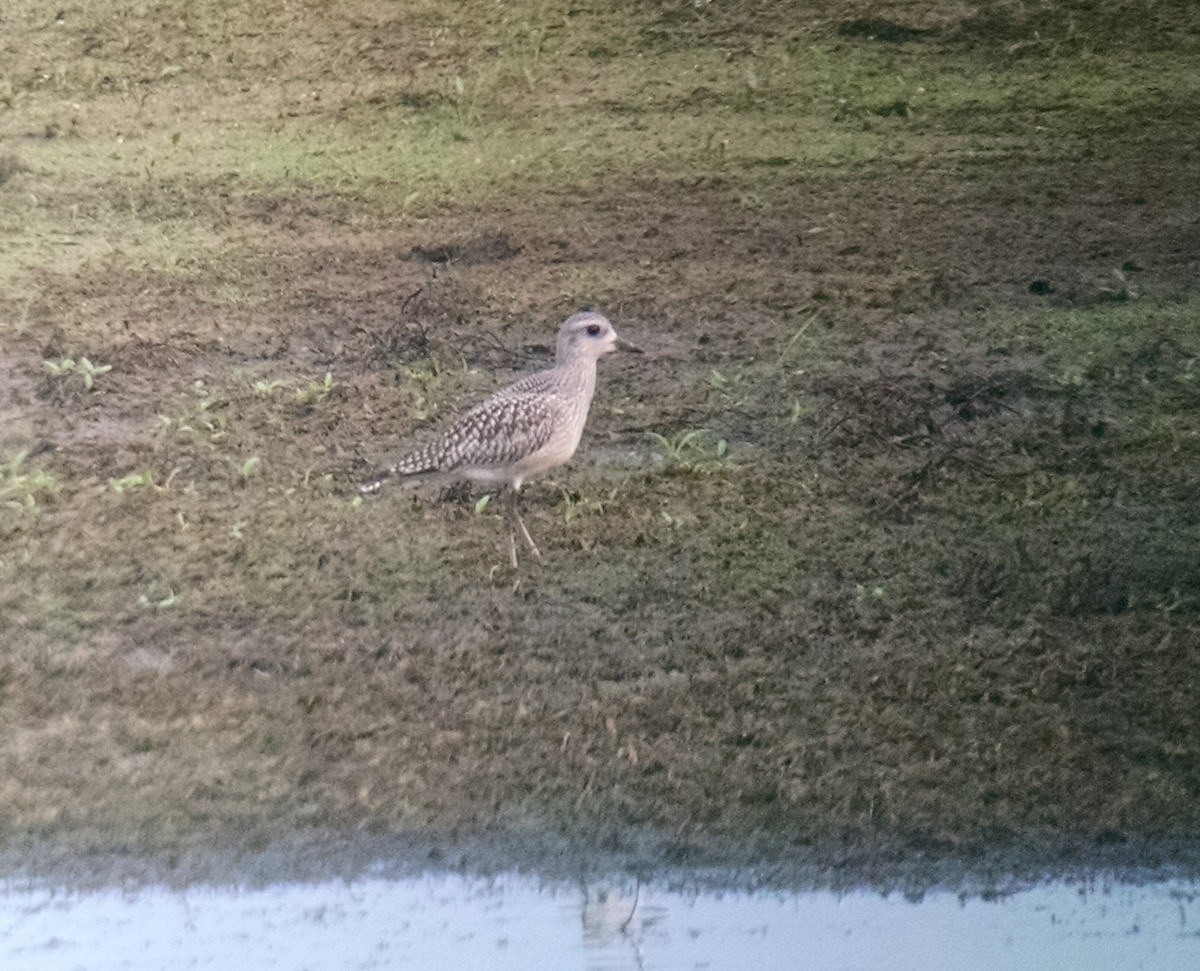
452	922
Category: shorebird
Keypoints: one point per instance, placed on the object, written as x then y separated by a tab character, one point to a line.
523	429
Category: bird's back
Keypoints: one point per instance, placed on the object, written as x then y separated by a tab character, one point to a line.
524	428
527	427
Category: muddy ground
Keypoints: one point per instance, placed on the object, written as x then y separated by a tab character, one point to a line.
882	559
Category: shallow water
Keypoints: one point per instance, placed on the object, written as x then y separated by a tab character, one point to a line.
457	922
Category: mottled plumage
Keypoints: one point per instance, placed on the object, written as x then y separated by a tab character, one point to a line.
527	427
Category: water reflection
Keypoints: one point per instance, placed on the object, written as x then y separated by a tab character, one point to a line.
450	922
618	924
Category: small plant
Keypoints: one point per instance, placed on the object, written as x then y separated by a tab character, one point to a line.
127	483
789	348
464	101
418	382
20	487
315	391
690	453
1121	290
264	389
1073	376
575	505
22	324
170	600
799	412
137	480
247	468
203	422
64	367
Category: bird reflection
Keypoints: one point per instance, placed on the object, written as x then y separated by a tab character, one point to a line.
616	923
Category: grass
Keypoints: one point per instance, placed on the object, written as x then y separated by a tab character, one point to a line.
902	297
689	452
22	485
86	371
126	175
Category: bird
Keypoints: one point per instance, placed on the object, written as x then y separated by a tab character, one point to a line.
523	429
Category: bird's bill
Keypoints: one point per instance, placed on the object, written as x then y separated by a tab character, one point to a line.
632	348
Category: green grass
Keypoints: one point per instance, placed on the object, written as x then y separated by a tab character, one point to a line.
23	484
131	175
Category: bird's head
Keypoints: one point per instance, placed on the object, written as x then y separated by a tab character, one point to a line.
589	336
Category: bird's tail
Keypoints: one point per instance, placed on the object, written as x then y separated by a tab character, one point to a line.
418	465
374	485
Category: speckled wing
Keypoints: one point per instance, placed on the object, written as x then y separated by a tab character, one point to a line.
541	383
504	429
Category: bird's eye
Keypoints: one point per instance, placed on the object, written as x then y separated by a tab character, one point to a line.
593	330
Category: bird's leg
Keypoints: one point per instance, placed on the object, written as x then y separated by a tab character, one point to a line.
537	554
512	550
513	516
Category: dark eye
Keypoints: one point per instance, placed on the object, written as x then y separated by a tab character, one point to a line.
593	330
